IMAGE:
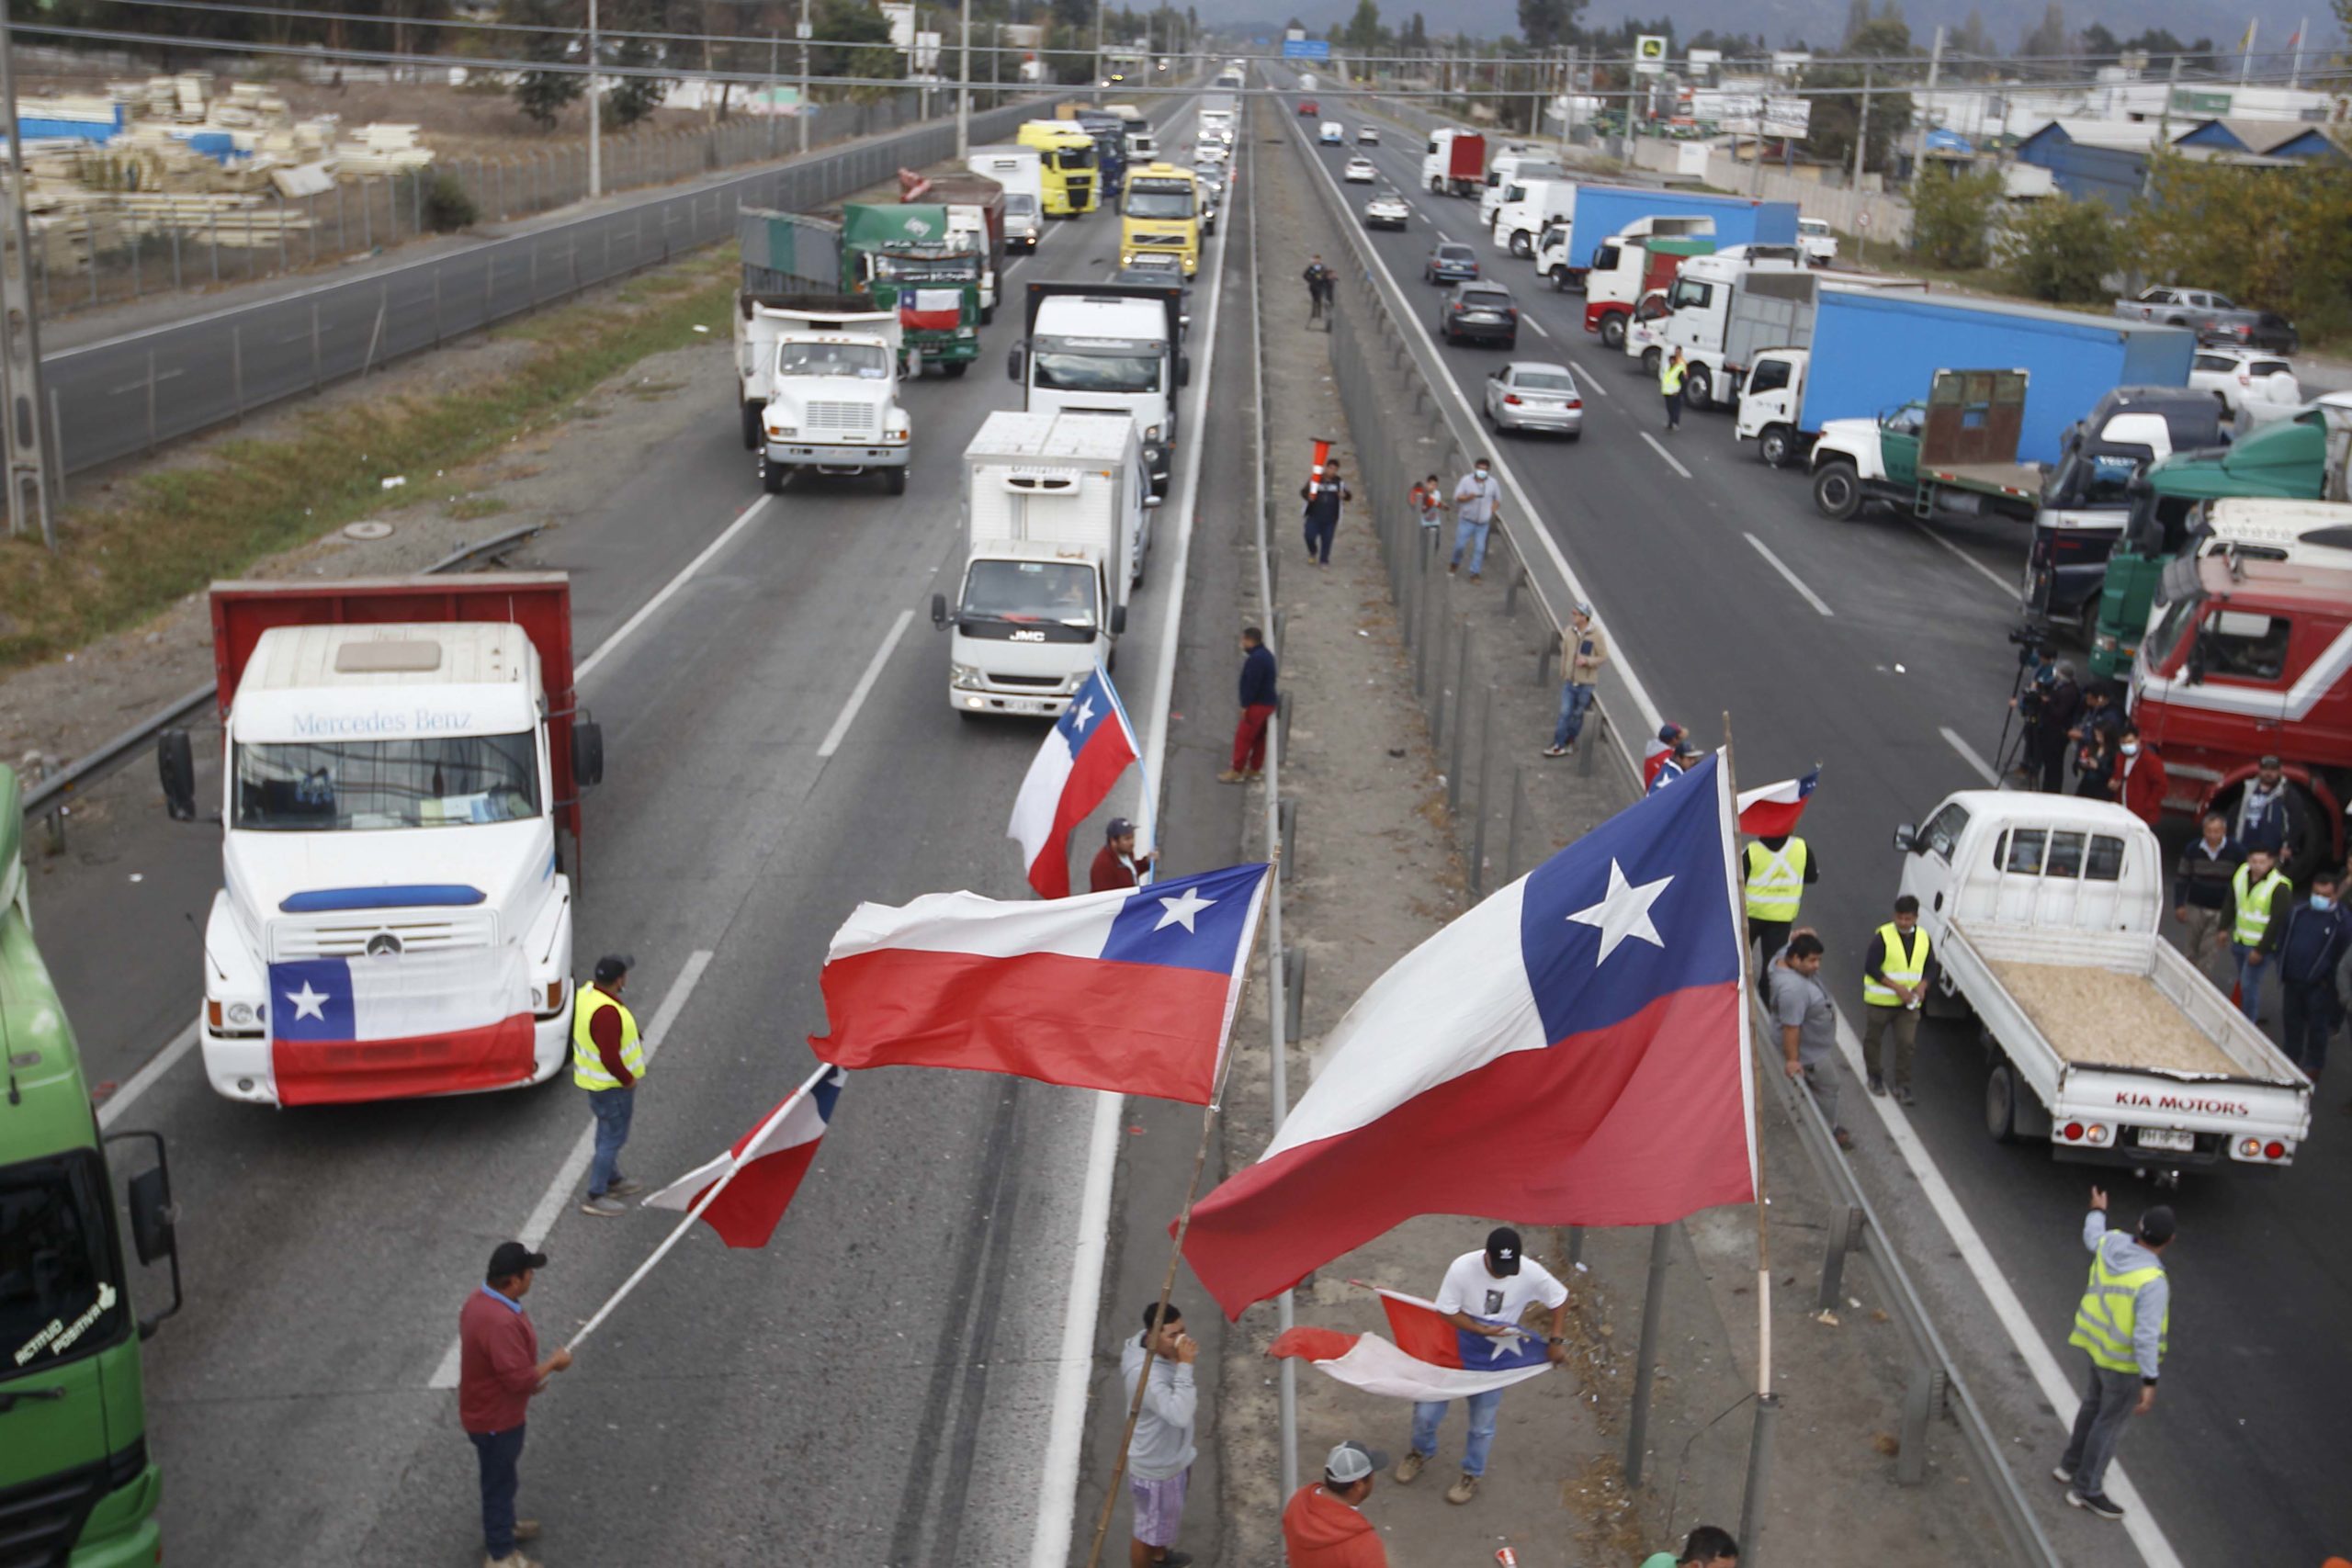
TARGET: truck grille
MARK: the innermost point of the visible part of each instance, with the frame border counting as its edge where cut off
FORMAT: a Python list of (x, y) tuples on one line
[(348, 936), (1036, 682), (1159, 239), (40, 1519), (840, 419)]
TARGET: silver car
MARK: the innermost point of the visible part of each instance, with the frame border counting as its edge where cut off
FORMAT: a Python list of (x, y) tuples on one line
[(1532, 394)]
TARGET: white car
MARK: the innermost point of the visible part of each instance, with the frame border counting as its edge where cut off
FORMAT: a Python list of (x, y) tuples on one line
[(1367, 136), (1212, 152), (1386, 210), (2250, 385), (1816, 241), (1331, 134), (1360, 172)]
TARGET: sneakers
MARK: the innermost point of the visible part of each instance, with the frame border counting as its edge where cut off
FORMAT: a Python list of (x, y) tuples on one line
[(604, 1208), (2095, 1502), (1878, 1085), (623, 1187), (1174, 1560), (1557, 751), (1452, 567), (514, 1558), (1255, 775), (526, 1529), (2062, 1475), (1231, 775), (1904, 1096), (1474, 576), (1410, 1467), (1463, 1490)]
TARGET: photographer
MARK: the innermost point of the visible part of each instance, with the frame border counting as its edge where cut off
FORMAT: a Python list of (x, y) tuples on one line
[(2054, 727)]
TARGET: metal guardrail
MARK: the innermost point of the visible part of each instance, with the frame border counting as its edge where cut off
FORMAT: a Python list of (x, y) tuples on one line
[(48, 798)]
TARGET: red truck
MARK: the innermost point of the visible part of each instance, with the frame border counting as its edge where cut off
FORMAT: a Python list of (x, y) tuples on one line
[(963, 194), (1628, 268), (402, 758), (2250, 658), (1455, 161)]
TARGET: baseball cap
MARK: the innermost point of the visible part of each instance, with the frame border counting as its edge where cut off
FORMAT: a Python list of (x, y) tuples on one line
[(1352, 1462), (510, 1257), (1584, 609), (1685, 747), (2269, 761), (1119, 827), (611, 966), (1670, 733), (1502, 1249)]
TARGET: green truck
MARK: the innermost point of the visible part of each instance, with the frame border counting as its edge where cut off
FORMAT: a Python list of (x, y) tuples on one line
[(905, 257), (2287, 461), (77, 1486)]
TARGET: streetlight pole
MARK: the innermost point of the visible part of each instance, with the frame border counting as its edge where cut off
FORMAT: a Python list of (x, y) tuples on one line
[(964, 90), (1098, 39), (595, 115), (804, 105), (27, 415)]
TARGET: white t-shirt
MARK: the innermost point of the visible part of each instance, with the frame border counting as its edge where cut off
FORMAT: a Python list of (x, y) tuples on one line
[(1469, 1288)]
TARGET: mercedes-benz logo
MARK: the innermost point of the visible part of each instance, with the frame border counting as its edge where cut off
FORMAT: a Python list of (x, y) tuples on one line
[(383, 944)]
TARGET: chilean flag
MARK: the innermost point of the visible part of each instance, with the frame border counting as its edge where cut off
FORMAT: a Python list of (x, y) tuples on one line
[(1431, 1359), (931, 309), (1654, 752), (1773, 811), (1131, 990), (395, 1024), (1573, 1050), (1084, 755), (768, 1162)]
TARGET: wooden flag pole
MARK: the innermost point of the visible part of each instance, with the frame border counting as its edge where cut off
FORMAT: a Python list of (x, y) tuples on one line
[(1755, 1131)]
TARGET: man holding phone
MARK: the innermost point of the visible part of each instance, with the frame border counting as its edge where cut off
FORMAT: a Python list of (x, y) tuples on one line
[(1159, 1459)]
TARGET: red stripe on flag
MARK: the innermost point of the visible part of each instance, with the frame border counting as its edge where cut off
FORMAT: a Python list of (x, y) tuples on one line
[(1087, 1023), (1771, 819), (1616, 1127), (1421, 1334), (1092, 772), (1312, 1344), (917, 321), (341, 1072), (747, 1214)]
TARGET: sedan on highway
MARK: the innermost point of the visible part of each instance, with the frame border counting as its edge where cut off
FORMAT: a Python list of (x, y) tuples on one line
[(1450, 263), (1479, 312), (1309, 108), (1386, 210), (1534, 394), (1367, 136), (1360, 172), (1212, 152)]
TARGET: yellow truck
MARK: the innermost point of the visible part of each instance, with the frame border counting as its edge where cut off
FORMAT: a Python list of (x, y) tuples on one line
[(1066, 166), (1161, 215)]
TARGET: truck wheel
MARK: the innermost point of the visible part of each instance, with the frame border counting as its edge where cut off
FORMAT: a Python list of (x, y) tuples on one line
[(772, 475), (955, 367), (895, 479), (988, 314), (1836, 492), (1559, 280), (1612, 328), (752, 412), (1776, 446), (1698, 388), (1520, 243), (1649, 362), (2001, 1103)]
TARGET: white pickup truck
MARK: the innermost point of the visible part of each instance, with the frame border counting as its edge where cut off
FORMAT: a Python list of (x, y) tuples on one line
[(2042, 910), (819, 387)]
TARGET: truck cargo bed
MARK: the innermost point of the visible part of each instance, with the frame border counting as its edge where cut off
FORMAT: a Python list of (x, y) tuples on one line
[(2111, 1019)]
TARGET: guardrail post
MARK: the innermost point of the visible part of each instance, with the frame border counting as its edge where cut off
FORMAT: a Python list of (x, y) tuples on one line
[(1294, 990), (1759, 1474), (366, 219), (1286, 825), (1637, 1430), (1575, 1246), (212, 233), (1461, 715), (1546, 658), (151, 402), (1486, 770), (57, 444), (1511, 835), (1833, 1264), (318, 374), (237, 370), (1918, 1401), (535, 279), (437, 307), (1282, 718), (90, 244), (1510, 592)]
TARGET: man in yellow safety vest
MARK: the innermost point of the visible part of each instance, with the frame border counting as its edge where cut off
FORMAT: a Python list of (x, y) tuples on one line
[(1671, 370), (1894, 987), (607, 1061), (2123, 1321), (1775, 872), (2259, 897)]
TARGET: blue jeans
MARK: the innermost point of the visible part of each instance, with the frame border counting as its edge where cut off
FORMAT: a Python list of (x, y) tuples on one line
[(1427, 1414), (1574, 700), (612, 1108), (2250, 978), (499, 1453), (1472, 537)]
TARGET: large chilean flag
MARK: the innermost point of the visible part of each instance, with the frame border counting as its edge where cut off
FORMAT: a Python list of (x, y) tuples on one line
[(1573, 1050), (1431, 1359), (1131, 990), (1084, 755)]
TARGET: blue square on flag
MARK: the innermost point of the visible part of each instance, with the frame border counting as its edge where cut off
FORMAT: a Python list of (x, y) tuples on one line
[(1635, 910), (310, 999), (1190, 922)]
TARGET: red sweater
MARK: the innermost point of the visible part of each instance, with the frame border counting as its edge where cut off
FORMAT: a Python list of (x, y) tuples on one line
[(1109, 872), (2142, 789), (498, 1363), (1320, 1531)]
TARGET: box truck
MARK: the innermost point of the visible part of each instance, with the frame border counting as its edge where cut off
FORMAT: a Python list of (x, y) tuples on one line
[(1453, 161), (1104, 348), (1015, 169), (974, 217), (1600, 210)]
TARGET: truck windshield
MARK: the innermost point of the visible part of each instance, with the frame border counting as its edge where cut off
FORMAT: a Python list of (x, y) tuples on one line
[(2172, 631), (1073, 368), (1072, 160), (1689, 293), (1031, 592), (59, 1294), (1158, 198), (926, 269), (860, 361), (442, 781), (1021, 204)]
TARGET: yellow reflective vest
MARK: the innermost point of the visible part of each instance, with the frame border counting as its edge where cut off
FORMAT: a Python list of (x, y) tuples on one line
[(2254, 905), (587, 1064), (1670, 375), (1896, 964), (2109, 1315), (1775, 880)]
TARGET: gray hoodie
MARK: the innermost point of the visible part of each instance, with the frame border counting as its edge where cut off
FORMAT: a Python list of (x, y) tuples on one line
[(2123, 1253), (1163, 1441)]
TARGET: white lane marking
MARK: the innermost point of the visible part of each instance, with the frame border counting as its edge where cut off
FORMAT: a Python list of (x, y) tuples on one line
[(1968, 754), (2008, 590), (140, 385), (583, 1148), (1541, 331), (1587, 378), (139, 1082), (1658, 448), (685, 574), (1777, 564), (833, 741)]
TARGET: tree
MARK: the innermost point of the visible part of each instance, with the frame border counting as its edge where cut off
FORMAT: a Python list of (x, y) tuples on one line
[(1837, 113), (857, 43), (543, 94), (1364, 32), (2099, 43), (1951, 215), (2268, 238), (630, 98), (2050, 37), (1857, 16), (1546, 24), (2061, 251), (1415, 38)]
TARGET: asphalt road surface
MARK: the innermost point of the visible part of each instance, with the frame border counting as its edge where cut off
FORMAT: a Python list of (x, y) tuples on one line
[(1876, 649), (876, 1386)]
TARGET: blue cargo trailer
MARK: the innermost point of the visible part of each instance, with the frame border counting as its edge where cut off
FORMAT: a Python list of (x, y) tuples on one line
[(1601, 211)]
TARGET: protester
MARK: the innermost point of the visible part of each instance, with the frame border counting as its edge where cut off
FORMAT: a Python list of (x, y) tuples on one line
[(2095, 760), (1670, 377), (1808, 1020), (1773, 874), (1679, 760), (499, 1373), (1319, 280), (1324, 1527), (1429, 503), (2123, 1322), (2139, 779), (1116, 865), (2256, 921), (1710, 1546), (2200, 886), (1661, 750), (2270, 816), (1323, 495), (1475, 500), (607, 1061), (1159, 1459), (1894, 987), (2317, 938), (1258, 699), (1484, 1292), (1583, 650)]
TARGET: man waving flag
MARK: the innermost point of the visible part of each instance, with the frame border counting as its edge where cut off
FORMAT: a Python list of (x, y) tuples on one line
[(1430, 1358), (1084, 755), (1571, 1051)]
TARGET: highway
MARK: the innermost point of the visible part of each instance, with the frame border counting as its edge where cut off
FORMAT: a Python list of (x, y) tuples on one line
[(884, 1382), (1876, 649)]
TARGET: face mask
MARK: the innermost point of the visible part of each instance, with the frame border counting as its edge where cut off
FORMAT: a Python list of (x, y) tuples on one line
[(1482, 473), (2322, 902), (2131, 748)]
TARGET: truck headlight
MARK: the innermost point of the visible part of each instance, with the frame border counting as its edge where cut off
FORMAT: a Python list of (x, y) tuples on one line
[(241, 1015), (967, 332), (783, 432)]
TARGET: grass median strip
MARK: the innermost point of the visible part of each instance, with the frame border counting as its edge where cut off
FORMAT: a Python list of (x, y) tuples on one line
[(166, 533)]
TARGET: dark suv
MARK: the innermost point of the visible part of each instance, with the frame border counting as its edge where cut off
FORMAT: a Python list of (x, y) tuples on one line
[(1450, 263), (1479, 312)]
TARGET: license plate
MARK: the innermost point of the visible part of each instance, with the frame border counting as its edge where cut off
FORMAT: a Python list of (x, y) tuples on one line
[(2166, 1138)]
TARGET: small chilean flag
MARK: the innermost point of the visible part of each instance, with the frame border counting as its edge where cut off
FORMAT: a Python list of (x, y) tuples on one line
[(1773, 811), (1084, 755), (768, 1162), (1430, 1360)]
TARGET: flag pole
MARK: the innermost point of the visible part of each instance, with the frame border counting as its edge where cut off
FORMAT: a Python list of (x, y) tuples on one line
[(695, 1213), (1175, 1257)]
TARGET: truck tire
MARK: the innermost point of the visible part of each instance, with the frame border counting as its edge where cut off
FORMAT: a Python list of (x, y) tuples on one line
[(772, 475), (956, 368), (1559, 280), (1776, 446), (1836, 492), (1698, 388), (988, 314), (895, 480), (752, 412), (1612, 327), (1520, 246), (2001, 1103), (1649, 363)]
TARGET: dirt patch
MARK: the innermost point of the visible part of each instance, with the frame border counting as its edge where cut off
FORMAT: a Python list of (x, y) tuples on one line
[(2111, 1019)]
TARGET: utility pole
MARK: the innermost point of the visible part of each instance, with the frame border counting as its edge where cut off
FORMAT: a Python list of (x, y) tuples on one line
[(1098, 39), (27, 413), (595, 115), (1863, 126), (1927, 110), (964, 90), (804, 32)]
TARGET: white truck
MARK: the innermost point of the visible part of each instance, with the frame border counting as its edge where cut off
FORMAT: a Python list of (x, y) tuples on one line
[(820, 386), (1817, 239), (1057, 524), (1017, 170), (1104, 348), (2042, 914), (1510, 172), (1529, 206), (1699, 304)]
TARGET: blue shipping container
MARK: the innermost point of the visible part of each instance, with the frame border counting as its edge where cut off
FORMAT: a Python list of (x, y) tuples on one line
[(1875, 351), (1603, 210)]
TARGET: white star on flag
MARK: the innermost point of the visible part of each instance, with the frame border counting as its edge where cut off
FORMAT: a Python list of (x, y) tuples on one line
[(307, 1003), (1085, 713), (1182, 911), (1624, 912)]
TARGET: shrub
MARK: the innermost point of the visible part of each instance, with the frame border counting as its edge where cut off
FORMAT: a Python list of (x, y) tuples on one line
[(2061, 251), (1951, 215)]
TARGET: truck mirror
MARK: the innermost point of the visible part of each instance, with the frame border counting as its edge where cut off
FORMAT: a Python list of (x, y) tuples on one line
[(1906, 839), (587, 754), (1012, 359), (939, 610), (1183, 369), (1152, 500), (1118, 620), (154, 1220), (176, 765)]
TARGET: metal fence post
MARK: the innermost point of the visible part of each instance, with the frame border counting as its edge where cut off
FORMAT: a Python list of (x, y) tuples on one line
[(57, 443), (1833, 1264), (1461, 724), (1486, 769), (366, 218), (237, 370), (1759, 1473), (437, 307), (175, 258), (1652, 1301), (1295, 990), (1510, 839), (151, 401), (1286, 825), (135, 268), (375, 336), (318, 374), (90, 243)]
